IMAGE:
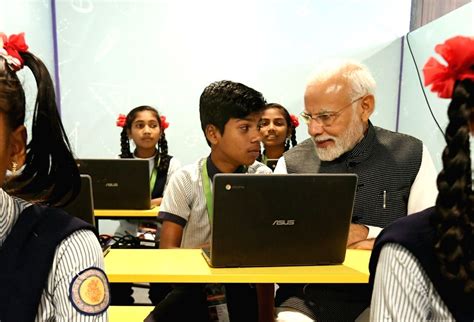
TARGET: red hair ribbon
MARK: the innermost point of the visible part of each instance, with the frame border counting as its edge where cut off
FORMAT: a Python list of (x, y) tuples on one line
[(294, 121), (10, 49), (458, 52), (121, 120), (164, 124)]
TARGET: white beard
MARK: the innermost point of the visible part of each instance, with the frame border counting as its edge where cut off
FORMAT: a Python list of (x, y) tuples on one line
[(345, 142)]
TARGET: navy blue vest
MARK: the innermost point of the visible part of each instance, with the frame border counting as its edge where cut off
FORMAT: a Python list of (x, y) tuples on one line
[(386, 164), (26, 257), (158, 189), (416, 234)]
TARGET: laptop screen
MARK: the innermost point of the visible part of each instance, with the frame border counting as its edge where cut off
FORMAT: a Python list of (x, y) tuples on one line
[(274, 220), (83, 205), (118, 183)]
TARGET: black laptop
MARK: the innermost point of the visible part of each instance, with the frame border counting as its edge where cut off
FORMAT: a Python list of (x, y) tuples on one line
[(83, 205), (280, 220), (118, 183)]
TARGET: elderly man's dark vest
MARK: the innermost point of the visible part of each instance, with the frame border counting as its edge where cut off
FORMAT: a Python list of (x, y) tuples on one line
[(26, 257), (386, 164)]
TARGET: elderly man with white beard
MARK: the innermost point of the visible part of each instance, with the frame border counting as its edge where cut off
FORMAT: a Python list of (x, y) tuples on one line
[(396, 177)]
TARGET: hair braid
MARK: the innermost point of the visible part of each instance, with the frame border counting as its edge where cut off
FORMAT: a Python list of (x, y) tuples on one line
[(125, 145), (163, 155), (50, 174), (453, 220)]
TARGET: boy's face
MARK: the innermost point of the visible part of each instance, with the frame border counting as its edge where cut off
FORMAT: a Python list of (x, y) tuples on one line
[(240, 143)]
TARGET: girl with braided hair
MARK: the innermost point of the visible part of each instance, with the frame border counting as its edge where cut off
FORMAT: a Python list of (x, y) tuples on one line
[(422, 266), (278, 129), (144, 126)]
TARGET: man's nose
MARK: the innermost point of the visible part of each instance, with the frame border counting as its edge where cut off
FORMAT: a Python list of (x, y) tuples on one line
[(314, 128)]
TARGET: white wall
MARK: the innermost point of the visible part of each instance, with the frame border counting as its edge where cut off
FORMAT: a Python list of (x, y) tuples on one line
[(415, 117), (115, 55)]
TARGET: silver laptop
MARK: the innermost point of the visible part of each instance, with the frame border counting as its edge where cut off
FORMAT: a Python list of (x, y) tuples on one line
[(280, 220), (118, 183)]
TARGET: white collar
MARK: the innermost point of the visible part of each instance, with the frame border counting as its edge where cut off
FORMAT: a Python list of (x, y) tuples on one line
[(10, 209)]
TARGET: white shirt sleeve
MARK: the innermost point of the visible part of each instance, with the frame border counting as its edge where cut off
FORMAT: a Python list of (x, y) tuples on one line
[(424, 190), (77, 253), (281, 166), (403, 291), (374, 231), (178, 198)]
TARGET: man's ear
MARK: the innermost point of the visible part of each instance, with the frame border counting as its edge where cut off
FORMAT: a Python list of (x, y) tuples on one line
[(367, 105), (212, 134), (18, 146)]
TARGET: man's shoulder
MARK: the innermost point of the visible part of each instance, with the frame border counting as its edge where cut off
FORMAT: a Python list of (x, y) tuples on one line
[(258, 167), (302, 147), (390, 137)]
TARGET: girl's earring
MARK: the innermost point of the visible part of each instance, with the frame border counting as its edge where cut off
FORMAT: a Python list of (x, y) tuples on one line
[(14, 167)]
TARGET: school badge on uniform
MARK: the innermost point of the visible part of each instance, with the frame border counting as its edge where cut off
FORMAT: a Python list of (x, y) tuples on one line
[(89, 291)]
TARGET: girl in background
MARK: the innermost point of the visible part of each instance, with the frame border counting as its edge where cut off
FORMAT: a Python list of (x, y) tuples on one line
[(278, 128), (144, 126)]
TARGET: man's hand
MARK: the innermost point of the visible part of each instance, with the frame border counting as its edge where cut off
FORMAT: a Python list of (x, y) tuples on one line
[(357, 233), (367, 244)]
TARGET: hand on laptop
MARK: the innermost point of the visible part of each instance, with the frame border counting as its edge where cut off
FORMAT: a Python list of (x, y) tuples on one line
[(206, 245), (156, 202), (357, 233), (367, 244)]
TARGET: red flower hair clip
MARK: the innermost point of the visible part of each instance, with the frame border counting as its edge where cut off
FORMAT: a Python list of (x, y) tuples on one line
[(458, 52), (121, 120), (164, 124), (10, 49), (294, 121)]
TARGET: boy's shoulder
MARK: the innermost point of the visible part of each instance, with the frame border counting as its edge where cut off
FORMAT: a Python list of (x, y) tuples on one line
[(259, 168), (191, 172)]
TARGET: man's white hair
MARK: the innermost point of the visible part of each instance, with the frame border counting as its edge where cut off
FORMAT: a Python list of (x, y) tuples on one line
[(356, 74)]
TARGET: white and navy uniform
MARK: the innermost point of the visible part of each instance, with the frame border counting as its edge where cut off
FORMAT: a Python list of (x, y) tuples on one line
[(402, 289), (77, 262), (185, 201)]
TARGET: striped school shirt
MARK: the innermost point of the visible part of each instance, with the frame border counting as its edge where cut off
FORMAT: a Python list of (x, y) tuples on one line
[(403, 290), (74, 254), (184, 202)]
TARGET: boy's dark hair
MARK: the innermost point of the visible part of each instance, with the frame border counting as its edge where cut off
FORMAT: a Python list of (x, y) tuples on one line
[(454, 218), (223, 100), (162, 155), (50, 173)]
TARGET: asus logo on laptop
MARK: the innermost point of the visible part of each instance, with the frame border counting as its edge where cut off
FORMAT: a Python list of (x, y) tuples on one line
[(111, 184), (281, 222)]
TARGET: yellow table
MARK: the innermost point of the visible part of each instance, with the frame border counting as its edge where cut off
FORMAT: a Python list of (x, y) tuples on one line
[(189, 266), (128, 313), (100, 214), (126, 213)]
